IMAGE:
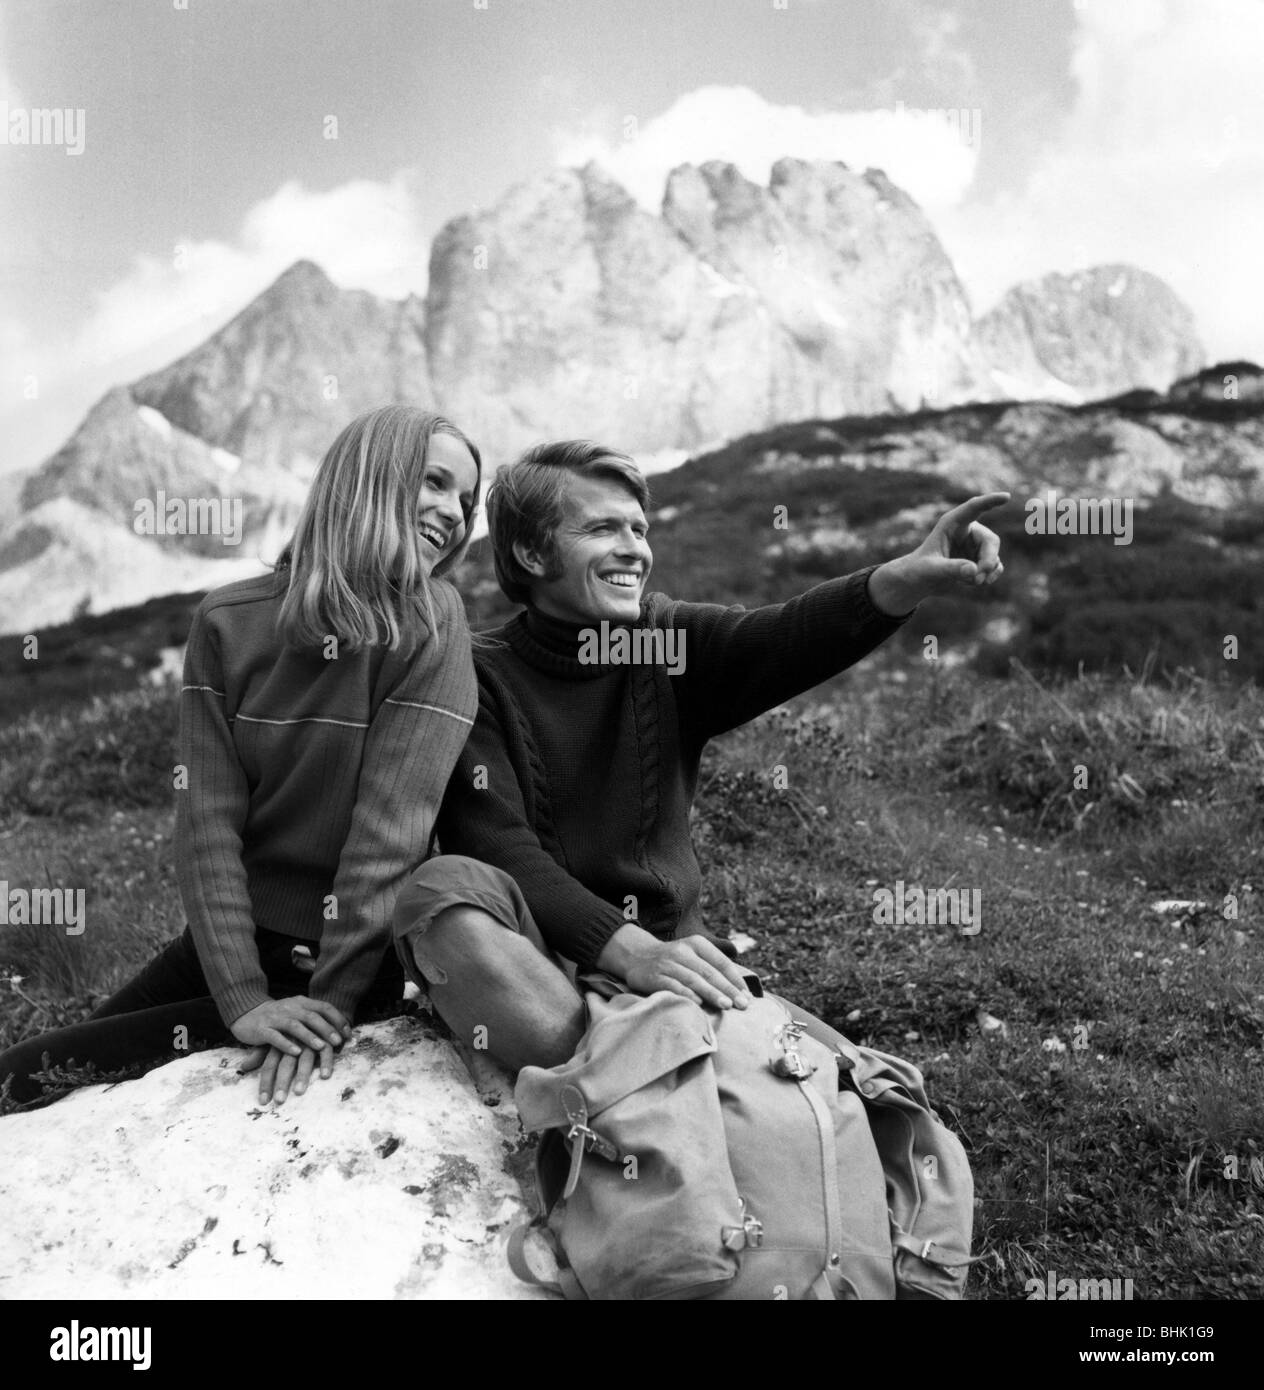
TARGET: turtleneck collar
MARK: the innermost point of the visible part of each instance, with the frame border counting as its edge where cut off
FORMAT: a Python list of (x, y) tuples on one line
[(552, 644), (555, 635)]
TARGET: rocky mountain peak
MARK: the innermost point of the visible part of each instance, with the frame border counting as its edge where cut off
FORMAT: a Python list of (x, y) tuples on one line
[(1088, 334)]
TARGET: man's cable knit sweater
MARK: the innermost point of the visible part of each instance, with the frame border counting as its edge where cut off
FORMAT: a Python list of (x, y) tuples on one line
[(577, 779)]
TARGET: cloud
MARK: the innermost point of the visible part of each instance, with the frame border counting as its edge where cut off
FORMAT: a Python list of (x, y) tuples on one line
[(364, 234), (1159, 162), (931, 155), (8, 88), (933, 58)]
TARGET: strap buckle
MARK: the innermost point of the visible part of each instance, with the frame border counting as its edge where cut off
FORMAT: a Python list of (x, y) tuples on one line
[(593, 1142), (576, 1109), (791, 1063), (748, 1236)]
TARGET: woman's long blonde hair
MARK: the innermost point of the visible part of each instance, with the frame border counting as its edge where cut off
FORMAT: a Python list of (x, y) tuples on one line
[(357, 571)]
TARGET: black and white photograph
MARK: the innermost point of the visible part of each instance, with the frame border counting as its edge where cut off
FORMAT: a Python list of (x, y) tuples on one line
[(631, 661)]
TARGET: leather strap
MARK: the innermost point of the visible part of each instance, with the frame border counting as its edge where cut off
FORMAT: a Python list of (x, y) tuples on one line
[(822, 1290), (516, 1250), (922, 1250), (829, 1174)]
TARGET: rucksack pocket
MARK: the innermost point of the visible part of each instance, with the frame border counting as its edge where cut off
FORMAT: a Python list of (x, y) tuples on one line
[(930, 1195)]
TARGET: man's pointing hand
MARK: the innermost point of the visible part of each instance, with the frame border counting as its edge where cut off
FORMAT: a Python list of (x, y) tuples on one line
[(959, 551)]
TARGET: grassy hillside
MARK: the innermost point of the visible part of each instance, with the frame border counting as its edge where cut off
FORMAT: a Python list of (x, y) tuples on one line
[(769, 514), (1100, 1059)]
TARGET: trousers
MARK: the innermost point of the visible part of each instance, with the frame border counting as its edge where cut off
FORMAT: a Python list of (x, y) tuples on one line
[(139, 1023)]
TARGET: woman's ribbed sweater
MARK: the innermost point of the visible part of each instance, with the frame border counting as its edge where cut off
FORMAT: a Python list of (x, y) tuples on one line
[(578, 779), (312, 786)]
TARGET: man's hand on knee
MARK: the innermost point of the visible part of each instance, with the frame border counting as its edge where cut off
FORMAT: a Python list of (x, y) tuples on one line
[(692, 967)]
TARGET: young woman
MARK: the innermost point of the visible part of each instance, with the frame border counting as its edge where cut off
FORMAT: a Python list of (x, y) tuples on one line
[(322, 710)]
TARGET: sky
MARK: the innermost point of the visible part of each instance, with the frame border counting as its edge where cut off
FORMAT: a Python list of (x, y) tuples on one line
[(204, 145)]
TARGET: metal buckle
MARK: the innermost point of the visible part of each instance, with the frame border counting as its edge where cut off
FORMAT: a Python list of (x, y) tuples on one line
[(791, 1063), (748, 1236), (592, 1141)]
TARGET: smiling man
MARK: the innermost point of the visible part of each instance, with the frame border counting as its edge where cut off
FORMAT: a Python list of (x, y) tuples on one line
[(567, 860)]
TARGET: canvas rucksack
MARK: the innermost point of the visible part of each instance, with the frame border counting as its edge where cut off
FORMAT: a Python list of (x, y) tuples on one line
[(695, 1153)]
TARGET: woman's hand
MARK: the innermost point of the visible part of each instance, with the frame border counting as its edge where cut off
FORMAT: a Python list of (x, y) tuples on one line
[(292, 1024), (288, 1036), (281, 1070)]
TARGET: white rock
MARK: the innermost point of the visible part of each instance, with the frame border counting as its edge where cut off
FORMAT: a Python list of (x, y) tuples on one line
[(395, 1178), (990, 1025)]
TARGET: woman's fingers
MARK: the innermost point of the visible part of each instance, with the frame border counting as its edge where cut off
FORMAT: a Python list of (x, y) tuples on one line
[(321, 1021), (277, 1040), (332, 1015), (267, 1076), (301, 1034), (285, 1076), (303, 1074)]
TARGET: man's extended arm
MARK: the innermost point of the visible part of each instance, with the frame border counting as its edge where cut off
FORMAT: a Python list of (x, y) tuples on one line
[(739, 663)]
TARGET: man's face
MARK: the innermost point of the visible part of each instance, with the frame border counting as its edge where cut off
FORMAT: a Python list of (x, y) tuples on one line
[(604, 555)]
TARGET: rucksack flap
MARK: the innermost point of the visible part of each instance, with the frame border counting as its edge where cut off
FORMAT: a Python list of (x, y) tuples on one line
[(637, 1207)]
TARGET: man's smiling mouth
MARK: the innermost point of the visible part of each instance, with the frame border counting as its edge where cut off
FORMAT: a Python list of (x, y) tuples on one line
[(621, 579)]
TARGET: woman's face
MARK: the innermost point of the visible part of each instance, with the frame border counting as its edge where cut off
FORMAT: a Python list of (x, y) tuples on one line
[(447, 492)]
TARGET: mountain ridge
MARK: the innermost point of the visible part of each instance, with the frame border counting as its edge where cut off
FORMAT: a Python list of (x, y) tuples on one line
[(566, 309)]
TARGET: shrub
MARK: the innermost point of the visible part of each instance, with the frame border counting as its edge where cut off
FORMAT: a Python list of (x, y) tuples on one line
[(118, 752)]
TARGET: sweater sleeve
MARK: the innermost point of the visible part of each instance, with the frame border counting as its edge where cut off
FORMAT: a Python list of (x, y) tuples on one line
[(411, 746), (740, 662), (210, 815), (485, 816)]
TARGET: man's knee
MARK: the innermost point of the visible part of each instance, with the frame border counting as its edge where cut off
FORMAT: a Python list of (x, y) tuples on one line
[(464, 940)]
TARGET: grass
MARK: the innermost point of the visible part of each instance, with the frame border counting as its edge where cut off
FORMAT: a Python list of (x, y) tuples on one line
[(1100, 1059)]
